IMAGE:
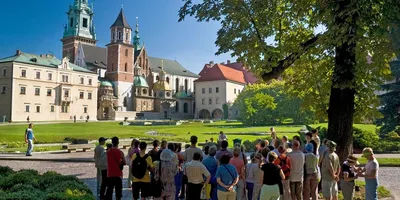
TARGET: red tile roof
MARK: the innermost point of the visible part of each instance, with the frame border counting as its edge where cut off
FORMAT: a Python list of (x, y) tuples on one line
[(249, 77), (220, 72)]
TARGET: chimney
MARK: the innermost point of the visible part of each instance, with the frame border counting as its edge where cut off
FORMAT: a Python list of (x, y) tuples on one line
[(228, 61), (212, 62), (18, 52)]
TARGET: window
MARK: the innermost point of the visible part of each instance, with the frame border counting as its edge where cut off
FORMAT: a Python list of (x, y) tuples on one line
[(64, 108), (185, 108), (177, 107), (85, 23), (167, 79), (81, 95), (49, 92), (186, 86), (66, 93), (38, 109), (112, 36), (23, 73), (203, 101), (234, 91), (27, 108), (84, 109), (90, 81), (22, 90), (51, 108), (177, 85), (217, 101), (217, 90), (37, 91), (203, 90), (3, 89), (49, 76), (64, 78), (210, 90), (71, 22), (119, 35), (37, 75), (82, 80), (89, 95), (4, 72), (157, 78), (126, 51), (210, 101), (127, 36), (126, 67)]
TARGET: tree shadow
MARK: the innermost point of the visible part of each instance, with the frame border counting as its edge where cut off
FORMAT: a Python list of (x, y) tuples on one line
[(92, 183)]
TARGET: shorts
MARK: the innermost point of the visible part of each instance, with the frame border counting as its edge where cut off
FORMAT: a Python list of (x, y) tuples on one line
[(329, 188), (142, 187)]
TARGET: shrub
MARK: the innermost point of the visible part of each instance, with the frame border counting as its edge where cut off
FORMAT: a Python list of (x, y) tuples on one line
[(24, 195), (73, 187), (5, 171), (393, 135), (362, 139), (26, 177), (49, 179)]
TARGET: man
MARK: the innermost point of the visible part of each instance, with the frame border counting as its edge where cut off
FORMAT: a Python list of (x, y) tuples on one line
[(100, 160), (189, 152), (222, 137), (164, 145), (29, 137), (195, 170), (370, 172), (223, 151), (330, 171), (297, 159), (284, 163), (285, 141), (141, 166), (316, 138), (115, 163), (308, 138), (153, 152)]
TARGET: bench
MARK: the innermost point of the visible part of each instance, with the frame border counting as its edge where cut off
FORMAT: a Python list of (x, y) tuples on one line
[(74, 147)]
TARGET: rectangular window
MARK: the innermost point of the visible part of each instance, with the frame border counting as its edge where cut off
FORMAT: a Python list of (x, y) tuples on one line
[(71, 22), (3, 89), (82, 81), (127, 36), (22, 90), (84, 109), (81, 95), (210, 101), (49, 92), (38, 109), (90, 81), (234, 91), (217, 101), (203, 90), (217, 90), (49, 76), (64, 78), (66, 93), (37, 75), (27, 108), (4, 72), (203, 101), (37, 91), (210, 90), (23, 73), (119, 35), (51, 108), (64, 109), (85, 23), (89, 95)]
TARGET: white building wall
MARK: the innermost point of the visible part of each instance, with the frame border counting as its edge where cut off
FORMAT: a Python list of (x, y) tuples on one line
[(203, 99), (232, 91)]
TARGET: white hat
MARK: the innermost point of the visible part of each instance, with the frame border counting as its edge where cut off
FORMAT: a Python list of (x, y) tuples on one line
[(166, 155)]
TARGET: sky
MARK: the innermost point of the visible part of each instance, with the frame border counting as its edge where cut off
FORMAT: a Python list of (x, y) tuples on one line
[(37, 27)]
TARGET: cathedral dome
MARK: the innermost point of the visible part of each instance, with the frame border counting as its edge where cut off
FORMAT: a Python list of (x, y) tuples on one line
[(181, 95), (106, 84), (161, 85), (139, 81)]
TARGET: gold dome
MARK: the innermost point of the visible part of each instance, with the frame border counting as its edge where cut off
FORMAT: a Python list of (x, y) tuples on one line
[(161, 85)]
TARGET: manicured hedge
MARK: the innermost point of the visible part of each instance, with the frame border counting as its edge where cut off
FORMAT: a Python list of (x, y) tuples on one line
[(30, 185)]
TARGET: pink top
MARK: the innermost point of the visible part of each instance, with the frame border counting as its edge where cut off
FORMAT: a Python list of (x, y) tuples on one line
[(239, 164), (133, 151)]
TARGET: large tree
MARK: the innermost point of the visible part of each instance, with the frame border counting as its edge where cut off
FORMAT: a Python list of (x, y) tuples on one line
[(272, 36)]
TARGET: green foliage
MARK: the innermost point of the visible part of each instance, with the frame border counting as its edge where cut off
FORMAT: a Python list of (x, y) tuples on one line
[(261, 104), (225, 109), (393, 135), (362, 139)]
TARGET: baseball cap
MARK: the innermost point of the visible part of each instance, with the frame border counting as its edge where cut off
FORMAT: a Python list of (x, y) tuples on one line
[(367, 152), (101, 139), (309, 147)]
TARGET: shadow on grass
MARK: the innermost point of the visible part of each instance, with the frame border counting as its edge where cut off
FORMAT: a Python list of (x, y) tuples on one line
[(232, 125)]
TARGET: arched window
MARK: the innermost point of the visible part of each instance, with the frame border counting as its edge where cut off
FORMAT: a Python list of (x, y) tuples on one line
[(112, 35), (185, 108), (186, 86), (147, 64), (126, 52), (127, 36), (177, 107), (126, 67), (120, 35), (177, 85), (140, 62), (167, 79), (157, 78)]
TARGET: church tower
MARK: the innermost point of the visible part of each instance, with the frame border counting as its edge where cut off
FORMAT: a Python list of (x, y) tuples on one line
[(120, 61), (80, 28)]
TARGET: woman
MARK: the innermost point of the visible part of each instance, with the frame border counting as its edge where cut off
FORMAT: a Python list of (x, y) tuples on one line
[(370, 172), (211, 164), (349, 174), (227, 178), (178, 176), (257, 181), (239, 164), (273, 135), (250, 174), (283, 161), (272, 176), (310, 187), (167, 173), (132, 150)]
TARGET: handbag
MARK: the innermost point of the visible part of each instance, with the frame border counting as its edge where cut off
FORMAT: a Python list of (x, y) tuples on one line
[(121, 166), (203, 194), (157, 184)]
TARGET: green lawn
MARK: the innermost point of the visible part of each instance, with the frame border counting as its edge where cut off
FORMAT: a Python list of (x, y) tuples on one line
[(383, 161)]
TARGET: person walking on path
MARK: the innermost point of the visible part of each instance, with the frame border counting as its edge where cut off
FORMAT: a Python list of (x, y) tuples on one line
[(349, 174), (370, 173), (100, 162), (167, 169), (227, 179), (29, 138), (195, 170), (311, 180), (115, 165), (330, 173), (272, 176), (141, 167), (297, 171)]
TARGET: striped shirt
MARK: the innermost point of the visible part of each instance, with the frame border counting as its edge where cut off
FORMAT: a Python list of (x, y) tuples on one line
[(194, 170)]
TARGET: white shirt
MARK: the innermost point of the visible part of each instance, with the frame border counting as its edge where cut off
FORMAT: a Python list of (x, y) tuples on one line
[(372, 165), (297, 159), (195, 170), (222, 137)]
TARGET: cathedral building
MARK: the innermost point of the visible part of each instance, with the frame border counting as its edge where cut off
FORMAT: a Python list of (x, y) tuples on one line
[(132, 84)]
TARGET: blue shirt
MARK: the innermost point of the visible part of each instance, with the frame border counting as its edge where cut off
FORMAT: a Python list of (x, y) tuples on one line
[(227, 177), (29, 134), (211, 164)]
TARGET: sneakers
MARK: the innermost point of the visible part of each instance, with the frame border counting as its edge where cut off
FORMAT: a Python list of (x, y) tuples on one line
[(28, 154)]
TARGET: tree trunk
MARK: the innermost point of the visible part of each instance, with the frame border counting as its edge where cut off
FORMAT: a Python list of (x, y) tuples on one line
[(341, 102)]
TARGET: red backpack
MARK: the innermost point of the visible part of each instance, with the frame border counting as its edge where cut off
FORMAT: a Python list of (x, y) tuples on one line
[(285, 167)]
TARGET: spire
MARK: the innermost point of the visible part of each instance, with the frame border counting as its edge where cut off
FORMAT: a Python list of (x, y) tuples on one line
[(121, 21), (136, 38), (80, 20)]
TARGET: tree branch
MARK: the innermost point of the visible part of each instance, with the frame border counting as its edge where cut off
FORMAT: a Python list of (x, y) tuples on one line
[(289, 60)]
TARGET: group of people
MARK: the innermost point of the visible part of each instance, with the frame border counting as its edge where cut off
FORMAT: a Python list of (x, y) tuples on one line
[(282, 170)]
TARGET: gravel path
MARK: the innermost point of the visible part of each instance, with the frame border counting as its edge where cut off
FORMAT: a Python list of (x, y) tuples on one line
[(388, 176)]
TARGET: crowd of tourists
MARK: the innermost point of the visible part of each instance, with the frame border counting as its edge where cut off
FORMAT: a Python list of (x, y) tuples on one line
[(278, 169)]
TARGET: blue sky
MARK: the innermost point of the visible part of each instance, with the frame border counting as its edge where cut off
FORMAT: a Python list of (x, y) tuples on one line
[(37, 27)]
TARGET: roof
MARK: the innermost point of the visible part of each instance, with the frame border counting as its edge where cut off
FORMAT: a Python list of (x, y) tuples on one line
[(221, 72), (139, 81), (161, 85), (170, 67), (181, 95), (95, 56), (46, 60), (121, 21), (106, 83), (249, 77)]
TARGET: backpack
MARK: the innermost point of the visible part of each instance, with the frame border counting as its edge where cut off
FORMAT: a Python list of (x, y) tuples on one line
[(285, 167), (139, 166)]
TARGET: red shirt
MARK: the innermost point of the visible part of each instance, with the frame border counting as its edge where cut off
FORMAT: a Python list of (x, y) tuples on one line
[(114, 160)]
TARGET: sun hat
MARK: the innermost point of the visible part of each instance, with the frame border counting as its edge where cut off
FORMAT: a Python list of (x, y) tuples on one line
[(352, 159), (332, 145), (309, 148), (166, 155), (367, 152)]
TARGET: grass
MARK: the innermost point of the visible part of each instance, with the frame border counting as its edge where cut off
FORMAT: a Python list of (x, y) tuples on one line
[(382, 192), (36, 149), (383, 161)]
